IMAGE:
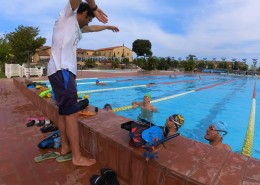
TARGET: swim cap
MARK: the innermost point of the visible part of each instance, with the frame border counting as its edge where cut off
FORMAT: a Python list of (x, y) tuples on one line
[(149, 96), (178, 119), (107, 105), (221, 128), (97, 81)]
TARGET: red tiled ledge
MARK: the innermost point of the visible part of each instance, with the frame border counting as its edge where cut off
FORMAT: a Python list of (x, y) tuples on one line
[(182, 161)]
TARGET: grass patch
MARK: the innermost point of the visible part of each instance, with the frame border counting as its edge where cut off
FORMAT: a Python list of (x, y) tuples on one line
[(2, 74)]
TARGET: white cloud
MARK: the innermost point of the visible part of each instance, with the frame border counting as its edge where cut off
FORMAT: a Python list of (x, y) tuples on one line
[(213, 28)]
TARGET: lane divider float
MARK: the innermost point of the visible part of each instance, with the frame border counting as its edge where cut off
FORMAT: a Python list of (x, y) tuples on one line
[(111, 89), (172, 96), (248, 142)]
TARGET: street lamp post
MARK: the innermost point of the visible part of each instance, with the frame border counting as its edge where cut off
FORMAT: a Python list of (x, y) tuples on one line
[(205, 62), (233, 63), (244, 62), (254, 62), (223, 60)]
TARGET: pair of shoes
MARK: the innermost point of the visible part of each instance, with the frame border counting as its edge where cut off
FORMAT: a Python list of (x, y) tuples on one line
[(48, 128), (107, 177), (32, 121), (63, 158), (43, 122), (49, 155)]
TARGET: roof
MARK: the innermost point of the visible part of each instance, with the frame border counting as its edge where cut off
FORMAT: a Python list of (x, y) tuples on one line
[(111, 48), (43, 53)]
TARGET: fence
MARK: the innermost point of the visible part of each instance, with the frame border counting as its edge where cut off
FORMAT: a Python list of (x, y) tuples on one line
[(22, 70)]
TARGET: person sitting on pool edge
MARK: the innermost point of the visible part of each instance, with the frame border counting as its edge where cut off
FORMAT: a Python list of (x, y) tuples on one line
[(215, 133), (146, 104), (100, 83), (108, 107)]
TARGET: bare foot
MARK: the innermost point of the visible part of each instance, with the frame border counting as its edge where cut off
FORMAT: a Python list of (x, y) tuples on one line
[(83, 161), (65, 149)]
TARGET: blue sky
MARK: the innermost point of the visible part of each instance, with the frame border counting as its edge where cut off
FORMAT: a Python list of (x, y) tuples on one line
[(176, 28)]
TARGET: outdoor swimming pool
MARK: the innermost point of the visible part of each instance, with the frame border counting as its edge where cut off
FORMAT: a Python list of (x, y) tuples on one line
[(201, 102)]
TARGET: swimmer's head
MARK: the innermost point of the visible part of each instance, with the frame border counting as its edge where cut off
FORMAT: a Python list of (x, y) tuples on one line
[(148, 96)]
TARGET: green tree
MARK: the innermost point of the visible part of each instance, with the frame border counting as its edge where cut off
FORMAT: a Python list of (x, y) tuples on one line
[(211, 65), (23, 42), (89, 63), (4, 51), (125, 61), (190, 63), (115, 62), (163, 64), (142, 48)]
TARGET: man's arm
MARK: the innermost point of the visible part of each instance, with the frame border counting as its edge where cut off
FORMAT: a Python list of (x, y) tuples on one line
[(75, 4), (96, 28), (154, 109), (135, 104), (91, 3), (99, 14)]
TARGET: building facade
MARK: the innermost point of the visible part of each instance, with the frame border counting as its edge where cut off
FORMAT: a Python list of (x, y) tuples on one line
[(42, 55)]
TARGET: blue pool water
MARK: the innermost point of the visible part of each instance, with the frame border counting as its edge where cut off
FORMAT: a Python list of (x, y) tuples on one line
[(213, 98)]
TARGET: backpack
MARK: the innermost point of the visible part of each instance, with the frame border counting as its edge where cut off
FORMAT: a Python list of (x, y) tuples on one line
[(148, 136), (52, 141), (143, 132)]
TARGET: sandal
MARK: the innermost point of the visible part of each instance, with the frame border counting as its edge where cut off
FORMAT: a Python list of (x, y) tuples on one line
[(86, 113), (48, 128), (49, 155), (63, 158)]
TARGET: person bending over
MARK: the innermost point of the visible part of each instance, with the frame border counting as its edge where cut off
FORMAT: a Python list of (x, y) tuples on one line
[(62, 68)]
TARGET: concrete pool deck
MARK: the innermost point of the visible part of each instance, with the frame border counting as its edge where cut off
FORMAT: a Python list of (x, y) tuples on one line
[(183, 161)]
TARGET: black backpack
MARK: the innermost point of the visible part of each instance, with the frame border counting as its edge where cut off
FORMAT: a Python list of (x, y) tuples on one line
[(136, 128)]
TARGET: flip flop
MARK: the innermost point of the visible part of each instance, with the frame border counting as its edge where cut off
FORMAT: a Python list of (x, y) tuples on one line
[(48, 128), (97, 180), (31, 123), (63, 158), (86, 113), (109, 176), (49, 155)]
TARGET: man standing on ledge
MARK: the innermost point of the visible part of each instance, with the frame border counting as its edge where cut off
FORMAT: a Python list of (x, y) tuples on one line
[(62, 68)]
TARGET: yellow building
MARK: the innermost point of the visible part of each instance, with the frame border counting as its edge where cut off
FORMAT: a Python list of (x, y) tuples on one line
[(42, 55), (118, 51)]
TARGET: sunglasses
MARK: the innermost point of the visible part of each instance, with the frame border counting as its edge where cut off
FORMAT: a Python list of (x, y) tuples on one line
[(213, 129)]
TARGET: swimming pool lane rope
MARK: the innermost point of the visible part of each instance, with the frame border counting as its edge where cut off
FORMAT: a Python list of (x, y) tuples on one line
[(249, 139), (153, 101), (130, 87), (172, 96)]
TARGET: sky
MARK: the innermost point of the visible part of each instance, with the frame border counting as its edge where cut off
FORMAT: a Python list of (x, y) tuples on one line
[(176, 28)]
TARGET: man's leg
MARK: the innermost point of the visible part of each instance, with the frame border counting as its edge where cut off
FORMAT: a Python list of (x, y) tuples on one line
[(65, 147), (72, 130)]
